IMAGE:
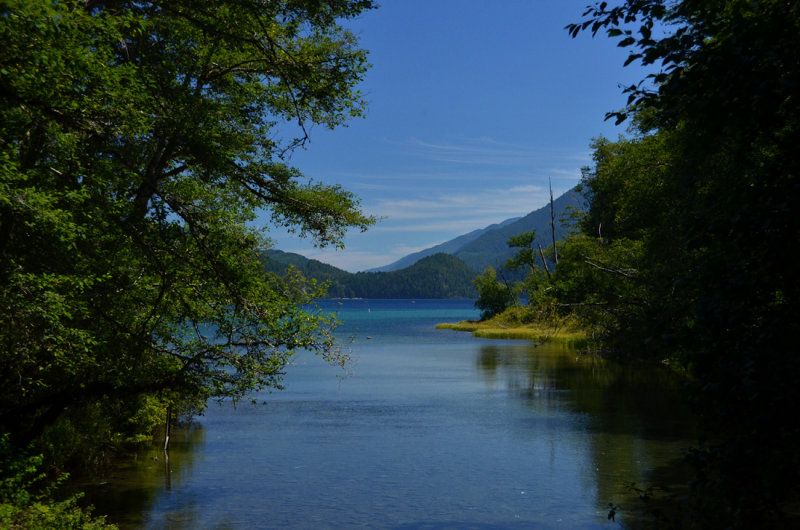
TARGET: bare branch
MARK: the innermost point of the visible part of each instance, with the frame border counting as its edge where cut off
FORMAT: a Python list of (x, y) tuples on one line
[(544, 261), (625, 273)]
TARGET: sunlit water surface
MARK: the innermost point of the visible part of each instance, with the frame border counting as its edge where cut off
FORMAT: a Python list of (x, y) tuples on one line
[(426, 429)]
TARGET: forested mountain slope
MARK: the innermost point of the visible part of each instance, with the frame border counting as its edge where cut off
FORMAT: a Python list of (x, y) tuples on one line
[(437, 276), (448, 247), (491, 248), (488, 247)]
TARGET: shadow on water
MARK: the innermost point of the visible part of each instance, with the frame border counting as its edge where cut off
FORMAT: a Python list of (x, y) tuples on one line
[(130, 489), (637, 417)]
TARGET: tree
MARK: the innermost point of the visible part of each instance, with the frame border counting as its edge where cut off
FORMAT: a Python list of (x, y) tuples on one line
[(139, 142), (494, 297), (525, 257), (537, 279), (717, 242)]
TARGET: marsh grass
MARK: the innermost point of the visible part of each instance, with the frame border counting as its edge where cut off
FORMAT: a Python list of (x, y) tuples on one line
[(508, 325)]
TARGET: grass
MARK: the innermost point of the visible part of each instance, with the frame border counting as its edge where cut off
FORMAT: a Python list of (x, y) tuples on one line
[(497, 328)]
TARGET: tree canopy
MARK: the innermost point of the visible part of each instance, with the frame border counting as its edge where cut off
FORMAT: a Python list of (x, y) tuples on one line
[(140, 142), (687, 252)]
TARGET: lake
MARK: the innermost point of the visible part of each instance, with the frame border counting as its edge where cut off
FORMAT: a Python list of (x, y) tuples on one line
[(426, 428)]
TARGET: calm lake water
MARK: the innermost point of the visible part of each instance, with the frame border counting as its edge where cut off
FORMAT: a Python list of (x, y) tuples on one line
[(427, 429)]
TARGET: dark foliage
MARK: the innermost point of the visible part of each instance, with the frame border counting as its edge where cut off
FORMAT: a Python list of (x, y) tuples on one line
[(703, 199)]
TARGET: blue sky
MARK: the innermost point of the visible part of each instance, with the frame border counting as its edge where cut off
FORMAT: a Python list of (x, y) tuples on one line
[(473, 105)]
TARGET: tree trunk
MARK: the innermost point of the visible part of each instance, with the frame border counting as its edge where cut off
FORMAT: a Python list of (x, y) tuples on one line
[(553, 224), (544, 261), (167, 429)]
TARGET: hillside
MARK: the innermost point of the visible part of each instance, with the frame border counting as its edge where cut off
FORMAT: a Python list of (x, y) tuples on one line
[(491, 249), (437, 276), (448, 247), (442, 271), (488, 246)]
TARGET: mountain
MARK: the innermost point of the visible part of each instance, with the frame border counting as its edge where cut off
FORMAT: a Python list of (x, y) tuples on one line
[(491, 248), (278, 261), (488, 247), (442, 271), (437, 276), (449, 247)]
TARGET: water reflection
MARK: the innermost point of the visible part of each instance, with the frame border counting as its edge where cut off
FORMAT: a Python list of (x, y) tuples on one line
[(637, 416), (440, 431), (132, 488)]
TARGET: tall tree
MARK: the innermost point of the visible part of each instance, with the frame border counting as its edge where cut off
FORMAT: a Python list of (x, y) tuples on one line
[(718, 242), (140, 141)]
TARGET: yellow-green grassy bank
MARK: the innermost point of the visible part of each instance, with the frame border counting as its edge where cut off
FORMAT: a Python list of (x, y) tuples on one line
[(491, 329)]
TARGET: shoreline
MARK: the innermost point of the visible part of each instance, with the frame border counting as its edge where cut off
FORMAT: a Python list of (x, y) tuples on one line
[(538, 334)]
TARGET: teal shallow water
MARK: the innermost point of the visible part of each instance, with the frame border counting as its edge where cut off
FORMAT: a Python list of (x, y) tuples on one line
[(427, 429)]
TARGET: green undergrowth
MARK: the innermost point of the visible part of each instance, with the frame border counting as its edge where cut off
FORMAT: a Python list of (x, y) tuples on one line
[(27, 496)]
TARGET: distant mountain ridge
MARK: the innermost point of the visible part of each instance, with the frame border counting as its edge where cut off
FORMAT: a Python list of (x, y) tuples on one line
[(448, 247), (491, 248), (488, 247), (442, 271)]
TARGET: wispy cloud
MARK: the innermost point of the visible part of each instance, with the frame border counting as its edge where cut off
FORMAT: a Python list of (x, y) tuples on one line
[(425, 222), (472, 206), (428, 192), (454, 226), (440, 166), (489, 152)]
